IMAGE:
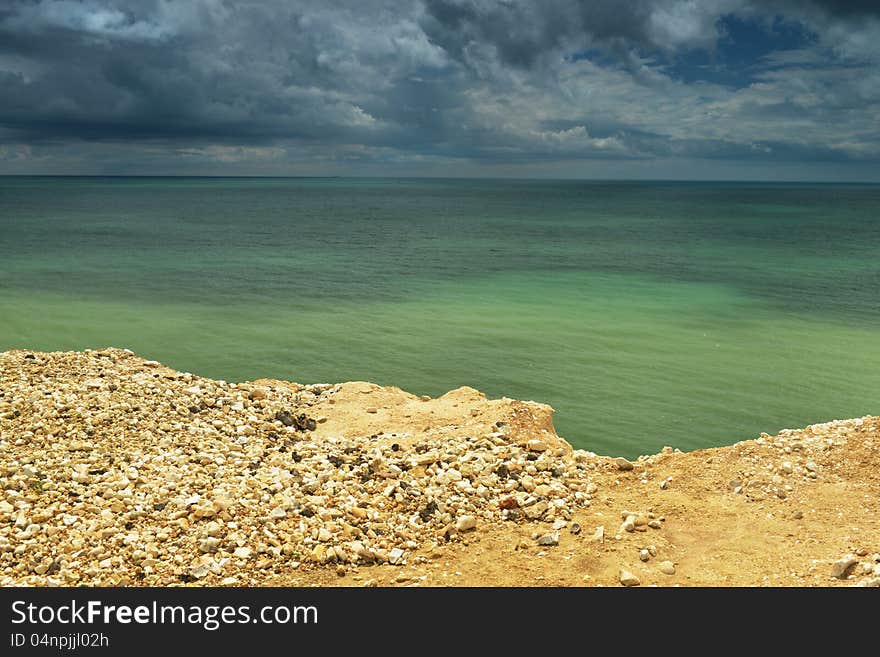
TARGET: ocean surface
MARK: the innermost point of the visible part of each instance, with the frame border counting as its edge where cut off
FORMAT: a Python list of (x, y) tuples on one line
[(646, 314)]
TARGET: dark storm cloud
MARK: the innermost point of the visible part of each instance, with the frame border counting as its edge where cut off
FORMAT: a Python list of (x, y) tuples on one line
[(849, 7), (224, 84)]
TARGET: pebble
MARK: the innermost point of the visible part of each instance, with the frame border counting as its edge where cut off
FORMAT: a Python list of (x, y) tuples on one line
[(628, 579), (465, 523), (623, 464), (644, 555), (537, 446), (599, 534), (551, 538), (841, 567), (666, 567), (199, 571)]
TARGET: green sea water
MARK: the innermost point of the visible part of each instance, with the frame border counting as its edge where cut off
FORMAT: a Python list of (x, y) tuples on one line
[(646, 314)]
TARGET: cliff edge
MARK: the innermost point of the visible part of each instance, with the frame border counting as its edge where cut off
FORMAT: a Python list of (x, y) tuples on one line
[(115, 470)]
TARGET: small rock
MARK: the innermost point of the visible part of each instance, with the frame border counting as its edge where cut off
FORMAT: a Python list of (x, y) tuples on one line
[(209, 545), (575, 528), (666, 567), (840, 568), (372, 409), (628, 579), (599, 534), (466, 523), (537, 446), (199, 571), (241, 552), (258, 393), (644, 555), (551, 538), (623, 464), (395, 556), (655, 524)]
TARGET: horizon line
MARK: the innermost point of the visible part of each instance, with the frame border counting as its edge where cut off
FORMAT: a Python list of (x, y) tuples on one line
[(411, 177)]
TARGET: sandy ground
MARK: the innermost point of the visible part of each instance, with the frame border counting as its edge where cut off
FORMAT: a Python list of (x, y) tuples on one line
[(798, 509), (713, 536)]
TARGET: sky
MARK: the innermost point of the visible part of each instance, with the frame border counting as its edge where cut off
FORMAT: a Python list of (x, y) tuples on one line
[(641, 89)]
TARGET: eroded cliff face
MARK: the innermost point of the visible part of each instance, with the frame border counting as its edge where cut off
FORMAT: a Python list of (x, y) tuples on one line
[(119, 470)]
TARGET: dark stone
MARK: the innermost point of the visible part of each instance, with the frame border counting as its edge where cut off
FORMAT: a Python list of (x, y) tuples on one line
[(336, 460), (54, 567), (395, 447), (159, 506), (502, 472), (426, 513), (30, 357), (285, 418), (508, 503), (307, 512)]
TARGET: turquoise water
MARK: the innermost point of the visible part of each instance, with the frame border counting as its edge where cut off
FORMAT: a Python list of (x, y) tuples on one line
[(646, 314)]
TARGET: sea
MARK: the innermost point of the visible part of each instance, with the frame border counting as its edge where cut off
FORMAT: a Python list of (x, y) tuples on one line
[(689, 314)]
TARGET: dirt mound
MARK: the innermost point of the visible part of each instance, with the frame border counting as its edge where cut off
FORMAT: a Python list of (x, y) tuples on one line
[(118, 470)]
